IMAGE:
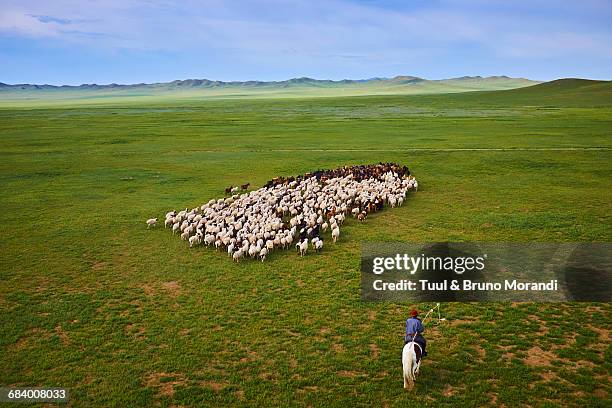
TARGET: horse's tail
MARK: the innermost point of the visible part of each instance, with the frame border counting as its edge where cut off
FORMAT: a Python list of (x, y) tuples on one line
[(408, 365)]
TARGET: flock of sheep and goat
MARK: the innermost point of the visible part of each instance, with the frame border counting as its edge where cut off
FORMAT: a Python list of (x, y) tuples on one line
[(291, 209)]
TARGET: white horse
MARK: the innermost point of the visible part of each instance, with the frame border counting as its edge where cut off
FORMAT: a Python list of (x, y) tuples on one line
[(410, 363)]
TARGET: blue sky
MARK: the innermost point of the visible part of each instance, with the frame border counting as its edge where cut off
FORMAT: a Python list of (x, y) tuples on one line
[(130, 41)]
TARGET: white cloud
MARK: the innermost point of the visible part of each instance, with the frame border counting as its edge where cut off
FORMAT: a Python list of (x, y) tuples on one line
[(309, 28)]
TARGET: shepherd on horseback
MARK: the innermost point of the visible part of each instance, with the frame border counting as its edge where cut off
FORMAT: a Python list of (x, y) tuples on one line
[(414, 330)]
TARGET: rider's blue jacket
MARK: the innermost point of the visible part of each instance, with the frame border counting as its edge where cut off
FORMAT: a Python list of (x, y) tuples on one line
[(413, 325)]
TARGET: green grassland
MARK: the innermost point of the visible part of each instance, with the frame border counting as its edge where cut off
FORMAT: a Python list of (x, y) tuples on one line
[(124, 316), (296, 88)]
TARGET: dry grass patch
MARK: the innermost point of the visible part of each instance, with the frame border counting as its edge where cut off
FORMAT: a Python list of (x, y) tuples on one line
[(536, 357), (480, 351), (350, 374), (99, 265), (165, 382), (374, 350), (26, 340), (132, 330), (62, 335), (216, 386), (600, 393), (173, 288), (337, 347), (148, 290), (448, 390)]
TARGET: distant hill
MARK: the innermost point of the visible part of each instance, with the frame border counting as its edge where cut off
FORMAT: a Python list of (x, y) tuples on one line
[(295, 87), (567, 92)]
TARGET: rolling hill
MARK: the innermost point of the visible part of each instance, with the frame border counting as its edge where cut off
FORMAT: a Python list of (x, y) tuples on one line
[(32, 94), (568, 92)]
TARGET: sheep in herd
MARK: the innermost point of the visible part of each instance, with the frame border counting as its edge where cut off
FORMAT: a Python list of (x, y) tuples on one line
[(335, 234), (317, 243), (237, 255), (194, 240), (151, 222), (263, 253), (324, 226), (302, 247), (294, 209)]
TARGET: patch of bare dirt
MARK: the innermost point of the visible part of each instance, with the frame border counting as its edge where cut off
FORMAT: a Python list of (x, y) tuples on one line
[(216, 386), (536, 357), (98, 266), (148, 289), (374, 350), (480, 351), (543, 329), (308, 388), (348, 374), (603, 334), (173, 288), (184, 332), (600, 393), (585, 364), (337, 347), (458, 322), (28, 338), (268, 376), (549, 376), (448, 390), (62, 335), (132, 330), (165, 382)]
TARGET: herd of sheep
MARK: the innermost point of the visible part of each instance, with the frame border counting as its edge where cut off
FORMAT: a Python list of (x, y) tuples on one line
[(292, 210)]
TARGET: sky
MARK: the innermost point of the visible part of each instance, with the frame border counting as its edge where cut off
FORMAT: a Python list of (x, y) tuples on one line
[(132, 41)]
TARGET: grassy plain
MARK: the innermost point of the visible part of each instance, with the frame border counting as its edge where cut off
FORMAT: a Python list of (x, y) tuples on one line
[(124, 316), (296, 88)]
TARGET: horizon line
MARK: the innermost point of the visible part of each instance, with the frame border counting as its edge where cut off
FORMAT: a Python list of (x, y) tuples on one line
[(374, 78)]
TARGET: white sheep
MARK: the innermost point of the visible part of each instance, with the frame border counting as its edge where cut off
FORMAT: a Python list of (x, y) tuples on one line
[(263, 253), (302, 247), (194, 240), (151, 222), (335, 234), (237, 255)]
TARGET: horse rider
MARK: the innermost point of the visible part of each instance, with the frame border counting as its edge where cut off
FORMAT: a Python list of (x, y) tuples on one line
[(414, 328)]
